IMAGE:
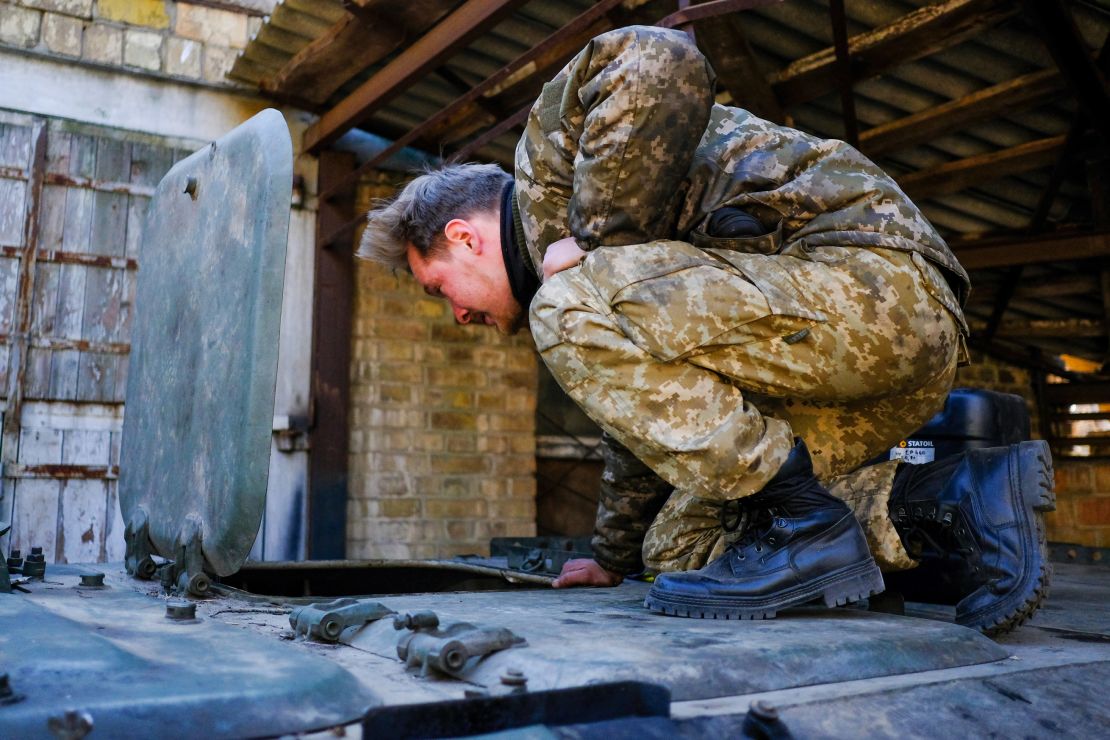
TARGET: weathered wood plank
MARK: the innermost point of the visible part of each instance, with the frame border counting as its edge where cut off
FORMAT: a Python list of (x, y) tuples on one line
[(109, 220), (13, 194), (86, 447), (35, 520), (40, 447), (114, 546), (9, 279), (59, 151), (53, 217), (101, 318), (15, 146), (84, 510)]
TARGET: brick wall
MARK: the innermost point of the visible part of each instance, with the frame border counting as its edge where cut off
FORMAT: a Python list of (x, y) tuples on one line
[(1082, 515), (175, 40), (442, 423)]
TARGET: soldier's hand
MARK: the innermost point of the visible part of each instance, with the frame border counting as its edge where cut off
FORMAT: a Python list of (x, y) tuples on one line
[(584, 572), (561, 255)]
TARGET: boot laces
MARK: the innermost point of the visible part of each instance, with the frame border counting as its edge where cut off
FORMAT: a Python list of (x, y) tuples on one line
[(754, 523)]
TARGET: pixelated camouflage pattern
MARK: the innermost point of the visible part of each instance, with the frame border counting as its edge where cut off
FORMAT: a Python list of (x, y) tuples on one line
[(710, 392), (608, 156), (630, 497), (705, 357)]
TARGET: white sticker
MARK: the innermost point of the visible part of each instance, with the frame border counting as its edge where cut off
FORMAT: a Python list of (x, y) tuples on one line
[(913, 451)]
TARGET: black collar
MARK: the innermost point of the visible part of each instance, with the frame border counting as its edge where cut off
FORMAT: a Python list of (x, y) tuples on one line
[(522, 280)]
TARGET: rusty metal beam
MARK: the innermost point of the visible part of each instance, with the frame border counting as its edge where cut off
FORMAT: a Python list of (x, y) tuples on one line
[(73, 258), (952, 177), (1028, 250), (447, 38), (1020, 92), (917, 34), (691, 14), (62, 472)]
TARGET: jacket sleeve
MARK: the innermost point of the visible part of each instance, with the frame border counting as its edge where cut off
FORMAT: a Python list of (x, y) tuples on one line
[(631, 496), (608, 143)]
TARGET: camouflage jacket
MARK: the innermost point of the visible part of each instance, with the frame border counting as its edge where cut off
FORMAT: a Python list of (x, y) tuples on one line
[(626, 146)]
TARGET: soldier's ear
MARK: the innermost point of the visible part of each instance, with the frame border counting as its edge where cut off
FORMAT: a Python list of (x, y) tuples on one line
[(460, 233)]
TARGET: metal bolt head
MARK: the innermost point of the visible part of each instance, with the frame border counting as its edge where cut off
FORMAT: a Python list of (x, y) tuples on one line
[(181, 611), (763, 710), (92, 580), (36, 551), (514, 677)]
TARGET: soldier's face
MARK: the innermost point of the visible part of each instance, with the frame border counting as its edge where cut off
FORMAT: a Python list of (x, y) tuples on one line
[(470, 274)]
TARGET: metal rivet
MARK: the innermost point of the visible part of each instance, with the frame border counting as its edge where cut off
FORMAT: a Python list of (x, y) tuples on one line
[(181, 610), (763, 710)]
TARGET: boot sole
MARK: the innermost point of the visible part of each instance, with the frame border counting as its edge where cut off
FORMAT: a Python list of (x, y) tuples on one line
[(1032, 476), (849, 584)]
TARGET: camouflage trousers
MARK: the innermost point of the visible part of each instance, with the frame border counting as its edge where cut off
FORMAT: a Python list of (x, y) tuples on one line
[(705, 364)]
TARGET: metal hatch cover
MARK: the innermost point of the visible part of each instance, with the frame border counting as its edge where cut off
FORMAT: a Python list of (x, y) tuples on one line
[(200, 390)]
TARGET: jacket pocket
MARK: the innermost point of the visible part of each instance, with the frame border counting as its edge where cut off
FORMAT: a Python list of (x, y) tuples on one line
[(674, 300), (769, 243)]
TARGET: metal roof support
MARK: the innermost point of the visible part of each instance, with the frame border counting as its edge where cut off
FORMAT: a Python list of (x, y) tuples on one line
[(917, 34), (451, 35)]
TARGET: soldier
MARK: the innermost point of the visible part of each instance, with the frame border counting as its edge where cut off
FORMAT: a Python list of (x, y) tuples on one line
[(749, 313)]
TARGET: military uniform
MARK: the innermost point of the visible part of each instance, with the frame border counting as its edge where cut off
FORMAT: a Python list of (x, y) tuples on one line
[(703, 357)]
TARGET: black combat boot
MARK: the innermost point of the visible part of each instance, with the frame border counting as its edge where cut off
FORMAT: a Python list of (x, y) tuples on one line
[(976, 524), (799, 544)]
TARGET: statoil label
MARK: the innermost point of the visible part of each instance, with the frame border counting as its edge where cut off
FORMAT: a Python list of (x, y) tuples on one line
[(914, 451)]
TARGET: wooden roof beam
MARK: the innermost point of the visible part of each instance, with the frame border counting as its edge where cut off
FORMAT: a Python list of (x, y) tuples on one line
[(1055, 287), (1070, 328), (723, 41), (1021, 92), (1056, 27), (917, 34), (952, 177), (447, 38), (1059, 247), (362, 38)]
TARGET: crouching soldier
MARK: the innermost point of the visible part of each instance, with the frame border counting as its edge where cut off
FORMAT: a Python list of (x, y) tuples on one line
[(749, 313)]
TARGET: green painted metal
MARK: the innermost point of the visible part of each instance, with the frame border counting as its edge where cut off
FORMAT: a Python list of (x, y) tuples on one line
[(200, 391)]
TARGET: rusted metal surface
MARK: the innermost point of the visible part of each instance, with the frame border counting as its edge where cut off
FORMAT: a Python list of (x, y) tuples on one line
[(75, 258), (79, 345), (14, 173), (62, 472), (102, 186), (517, 119)]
